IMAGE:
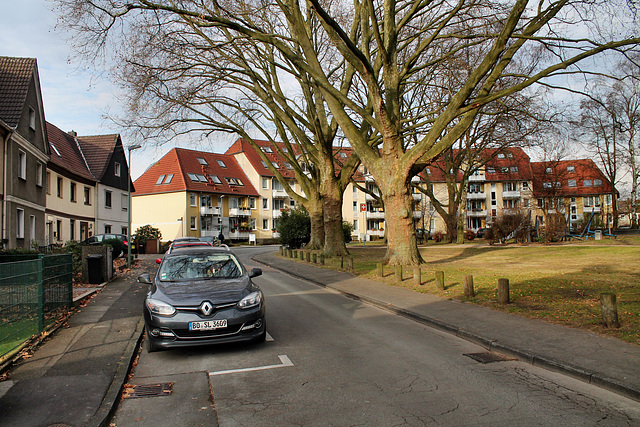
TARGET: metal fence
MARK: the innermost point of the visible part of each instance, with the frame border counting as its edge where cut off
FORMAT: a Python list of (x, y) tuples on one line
[(35, 290)]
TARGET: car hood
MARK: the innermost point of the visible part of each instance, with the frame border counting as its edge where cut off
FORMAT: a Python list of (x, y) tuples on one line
[(216, 291)]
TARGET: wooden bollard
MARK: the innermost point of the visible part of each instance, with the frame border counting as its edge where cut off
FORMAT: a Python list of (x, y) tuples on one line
[(609, 308), (341, 262), (315, 258), (503, 291), (417, 276), (295, 254), (440, 279), (288, 253), (350, 263), (398, 269), (322, 259), (281, 250), (302, 255), (308, 256), (380, 269), (468, 286)]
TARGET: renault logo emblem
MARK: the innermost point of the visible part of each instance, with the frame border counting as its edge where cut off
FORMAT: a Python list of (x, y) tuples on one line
[(206, 308)]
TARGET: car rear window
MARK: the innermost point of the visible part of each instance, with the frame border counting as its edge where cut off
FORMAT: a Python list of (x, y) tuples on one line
[(199, 267)]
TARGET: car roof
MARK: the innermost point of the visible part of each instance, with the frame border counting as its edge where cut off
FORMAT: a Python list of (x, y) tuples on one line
[(202, 249)]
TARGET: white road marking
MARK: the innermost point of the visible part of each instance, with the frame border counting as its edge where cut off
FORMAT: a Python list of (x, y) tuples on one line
[(269, 337), (284, 360)]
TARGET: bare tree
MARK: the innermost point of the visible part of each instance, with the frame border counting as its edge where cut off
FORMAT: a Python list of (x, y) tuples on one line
[(389, 49)]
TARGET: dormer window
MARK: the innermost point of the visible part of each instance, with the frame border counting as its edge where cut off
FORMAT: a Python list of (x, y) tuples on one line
[(571, 168), (202, 161), (221, 163), (266, 149)]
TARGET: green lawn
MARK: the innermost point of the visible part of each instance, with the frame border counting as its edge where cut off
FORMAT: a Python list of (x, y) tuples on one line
[(560, 283), (12, 335)]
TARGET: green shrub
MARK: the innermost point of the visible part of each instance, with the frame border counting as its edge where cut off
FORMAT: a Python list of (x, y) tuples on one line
[(347, 229), (294, 227)]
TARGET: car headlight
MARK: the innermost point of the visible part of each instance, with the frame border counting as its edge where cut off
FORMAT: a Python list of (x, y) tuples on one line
[(160, 308), (251, 300)]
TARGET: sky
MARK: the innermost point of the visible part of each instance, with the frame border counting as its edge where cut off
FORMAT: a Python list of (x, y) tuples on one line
[(73, 99)]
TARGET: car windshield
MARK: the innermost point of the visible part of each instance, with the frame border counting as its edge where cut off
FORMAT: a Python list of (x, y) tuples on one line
[(199, 267)]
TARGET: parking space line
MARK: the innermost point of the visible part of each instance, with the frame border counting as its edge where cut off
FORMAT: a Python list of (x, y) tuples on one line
[(284, 362)]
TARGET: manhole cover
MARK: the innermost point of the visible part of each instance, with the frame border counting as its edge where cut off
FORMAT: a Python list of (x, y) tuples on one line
[(132, 391), (488, 357)]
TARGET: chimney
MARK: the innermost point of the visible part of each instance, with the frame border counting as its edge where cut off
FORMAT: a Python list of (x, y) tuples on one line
[(73, 133)]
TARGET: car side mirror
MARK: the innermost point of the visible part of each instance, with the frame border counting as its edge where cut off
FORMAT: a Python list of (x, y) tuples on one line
[(144, 278), (255, 272)]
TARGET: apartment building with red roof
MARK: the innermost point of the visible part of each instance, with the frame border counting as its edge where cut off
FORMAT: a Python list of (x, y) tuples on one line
[(189, 193)]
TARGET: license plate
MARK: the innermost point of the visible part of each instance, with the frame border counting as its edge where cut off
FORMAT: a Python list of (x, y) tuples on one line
[(207, 325)]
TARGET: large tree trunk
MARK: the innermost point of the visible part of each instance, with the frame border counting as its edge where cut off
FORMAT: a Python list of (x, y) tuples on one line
[(315, 209), (461, 217), (402, 245), (334, 244)]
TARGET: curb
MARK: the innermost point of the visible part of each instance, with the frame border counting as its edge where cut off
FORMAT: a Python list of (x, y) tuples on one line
[(109, 404), (488, 343)]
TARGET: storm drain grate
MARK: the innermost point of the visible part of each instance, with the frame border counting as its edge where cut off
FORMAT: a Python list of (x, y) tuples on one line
[(487, 357), (132, 391)]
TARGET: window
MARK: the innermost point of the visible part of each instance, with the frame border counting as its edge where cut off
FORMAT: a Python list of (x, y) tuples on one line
[(252, 202), (355, 192), (58, 230), (124, 199), (239, 182), (202, 178), (548, 170), (233, 203), (72, 192), (266, 149), (32, 118), (597, 182), (491, 170), (265, 204), (510, 186), (72, 229), (355, 225), (504, 169), (510, 155), (193, 177), (215, 179), (343, 155), (355, 208), (572, 183), (539, 203), (20, 223), (192, 199), (264, 163), (525, 185), (107, 228), (168, 179), (265, 224), (525, 203), (587, 183), (221, 164), (232, 181), (475, 188), (124, 230), (39, 169), (500, 155), (32, 219), (514, 169), (87, 196), (288, 165), (277, 185), (254, 224), (547, 185), (571, 168), (193, 222), (202, 161), (48, 182), (265, 183), (510, 204), (22, 164), (160, 179), (275, 165), (107, 201), (117, 169), (59, 187)]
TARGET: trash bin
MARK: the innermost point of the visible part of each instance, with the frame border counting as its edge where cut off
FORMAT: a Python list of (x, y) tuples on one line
[(598, 235), (94, 267)]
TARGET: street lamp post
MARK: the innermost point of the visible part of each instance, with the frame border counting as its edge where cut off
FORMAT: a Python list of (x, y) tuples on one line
[(130, 148)]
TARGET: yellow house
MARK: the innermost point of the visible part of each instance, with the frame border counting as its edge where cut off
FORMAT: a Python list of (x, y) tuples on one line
[(190, 193)]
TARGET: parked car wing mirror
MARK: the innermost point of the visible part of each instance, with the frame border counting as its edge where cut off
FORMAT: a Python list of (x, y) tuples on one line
[(255, 272), (144, 278)]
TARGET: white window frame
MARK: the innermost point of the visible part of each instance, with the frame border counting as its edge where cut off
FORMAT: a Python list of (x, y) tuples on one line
[(118, 169), (20, 223), (265, 223), (193, 223), (22, 164), (39, 174), (32, 119), (265, 204), (32, 226), (265, 183), (124, 199), (192, 200)]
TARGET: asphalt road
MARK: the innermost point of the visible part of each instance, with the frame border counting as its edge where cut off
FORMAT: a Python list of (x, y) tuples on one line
[(333, 361)]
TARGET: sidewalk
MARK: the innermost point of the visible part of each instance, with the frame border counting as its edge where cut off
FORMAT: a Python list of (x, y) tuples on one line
[(605, 362), (75, 377)]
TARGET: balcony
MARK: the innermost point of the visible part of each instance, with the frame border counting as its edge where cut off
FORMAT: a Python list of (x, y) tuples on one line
[(375, 215), (239, 235), (235, 212), (476, 213), (511, 194), (368, 197), (417, 214), (477, 196), (210, 210), (279, 194), (477, 177), (588, 209), (368, 177), (418, 196), (276, 213), (379, 233)]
